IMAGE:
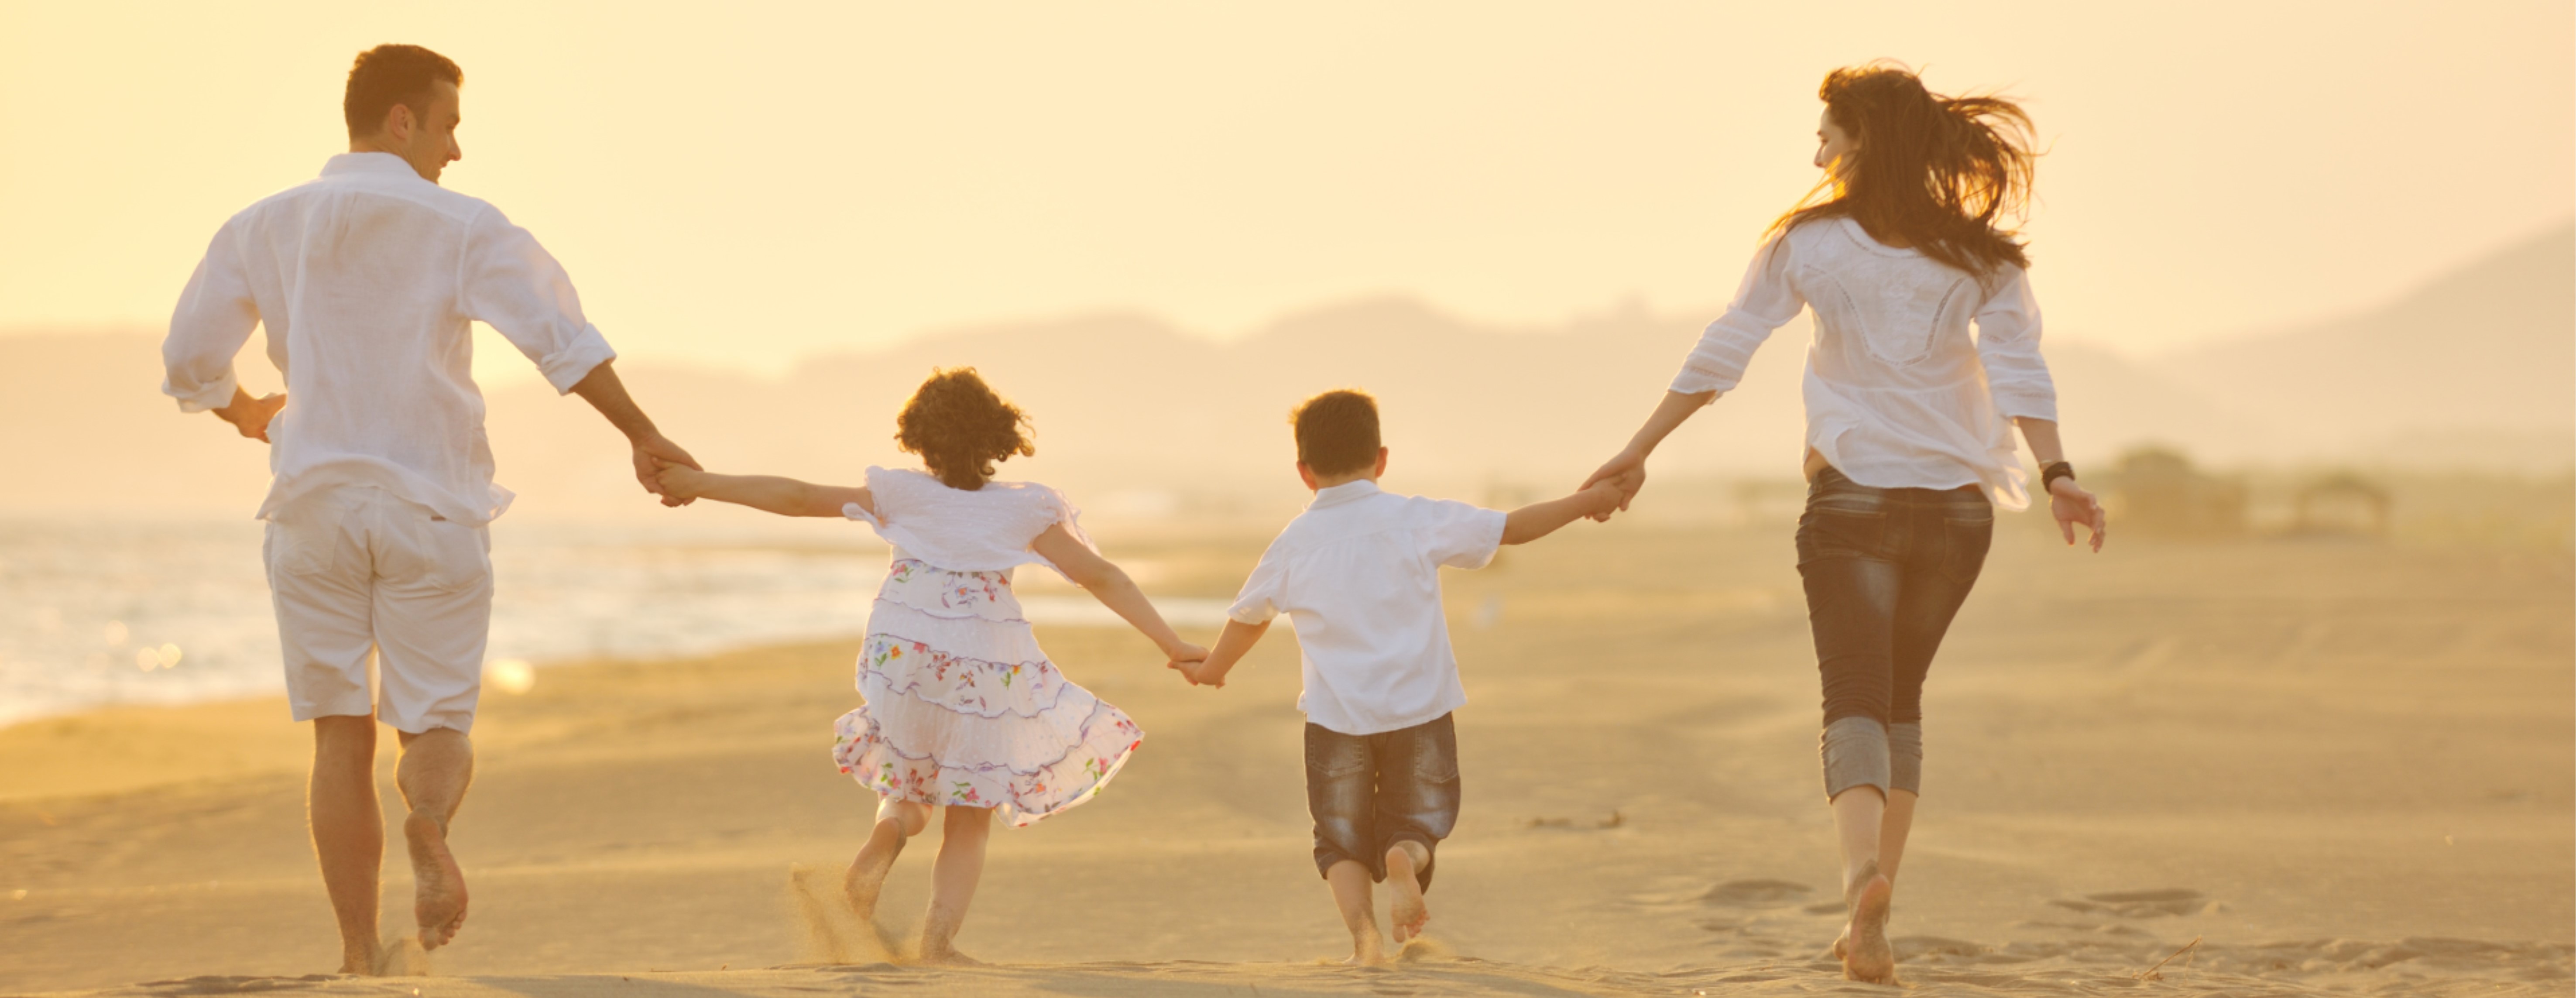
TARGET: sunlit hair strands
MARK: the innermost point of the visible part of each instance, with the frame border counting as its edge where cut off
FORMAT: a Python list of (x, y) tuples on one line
[(1337, 431), (1939, 173), (960, 427), (387, 75)]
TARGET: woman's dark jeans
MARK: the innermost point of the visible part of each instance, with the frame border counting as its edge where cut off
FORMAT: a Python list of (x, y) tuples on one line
[(1885, 570)]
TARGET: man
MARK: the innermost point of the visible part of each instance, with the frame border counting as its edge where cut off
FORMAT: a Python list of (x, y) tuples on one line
[(367, 278)]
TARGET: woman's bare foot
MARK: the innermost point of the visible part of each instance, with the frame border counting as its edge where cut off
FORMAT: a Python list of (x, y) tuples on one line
[(1867, 955), (867, 875), (1406, 908), (439, 884)]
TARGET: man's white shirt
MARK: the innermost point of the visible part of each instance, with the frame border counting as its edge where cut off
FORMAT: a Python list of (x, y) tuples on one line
[(367, 278), (1358, 574)]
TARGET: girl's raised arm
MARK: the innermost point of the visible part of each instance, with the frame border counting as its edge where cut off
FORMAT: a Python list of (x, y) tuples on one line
[(767, 493), (1110, 585)]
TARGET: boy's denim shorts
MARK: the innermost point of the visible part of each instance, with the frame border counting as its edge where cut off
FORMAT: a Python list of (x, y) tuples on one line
[(1369, 792)]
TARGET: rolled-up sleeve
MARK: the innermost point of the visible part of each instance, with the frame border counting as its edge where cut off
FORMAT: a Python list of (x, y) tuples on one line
[(2008, 343), (215, 317), (1259, 600), (1765, 301), (514, 286)]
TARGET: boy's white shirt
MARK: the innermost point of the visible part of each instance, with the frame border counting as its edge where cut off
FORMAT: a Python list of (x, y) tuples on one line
[(1358, 574)]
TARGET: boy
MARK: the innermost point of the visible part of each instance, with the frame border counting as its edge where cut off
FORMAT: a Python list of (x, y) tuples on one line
[(1358, 574)]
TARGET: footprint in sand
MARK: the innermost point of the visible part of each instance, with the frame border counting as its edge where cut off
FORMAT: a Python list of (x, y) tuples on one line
[(2143, 904), (1757, 894)]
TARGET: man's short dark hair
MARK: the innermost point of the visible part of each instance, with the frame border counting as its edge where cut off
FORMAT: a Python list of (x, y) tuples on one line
[(1336, 432), (387, 75)]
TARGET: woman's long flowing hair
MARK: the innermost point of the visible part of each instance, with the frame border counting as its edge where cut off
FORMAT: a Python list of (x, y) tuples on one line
[(1940, 173)]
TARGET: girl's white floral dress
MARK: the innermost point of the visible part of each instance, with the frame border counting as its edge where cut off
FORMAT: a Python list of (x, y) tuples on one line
[(963, 708)]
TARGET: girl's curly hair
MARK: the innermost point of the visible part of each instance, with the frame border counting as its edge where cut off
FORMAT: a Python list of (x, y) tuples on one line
[(960, 427)]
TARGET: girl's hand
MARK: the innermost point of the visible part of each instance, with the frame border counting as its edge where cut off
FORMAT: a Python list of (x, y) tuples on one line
[(1184, 655), (2070, 504), (679, 482)]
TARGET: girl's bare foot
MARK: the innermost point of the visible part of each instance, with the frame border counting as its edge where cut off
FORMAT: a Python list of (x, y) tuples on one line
[(867, 875), (1867, 955), (439, 884), (1406, 909), (938, 952), (1367, 951)]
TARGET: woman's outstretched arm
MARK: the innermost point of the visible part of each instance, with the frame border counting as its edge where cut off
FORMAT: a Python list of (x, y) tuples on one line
[(1110, 585), (767, 493)]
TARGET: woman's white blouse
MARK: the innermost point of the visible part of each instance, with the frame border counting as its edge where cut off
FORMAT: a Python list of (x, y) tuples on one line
[(987, 530), (1898, 393)]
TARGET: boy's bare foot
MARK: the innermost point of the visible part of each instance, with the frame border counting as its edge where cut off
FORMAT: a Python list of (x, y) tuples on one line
[(1366, 951), (439, 898), (1867, 955), (867, 875), (1406, 909), (361, 959)]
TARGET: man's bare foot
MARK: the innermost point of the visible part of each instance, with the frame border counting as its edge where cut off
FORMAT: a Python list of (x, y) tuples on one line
[(401, 956), (360, 958), (439, 901), (1867, 956), (1406, 909), (867, 875)]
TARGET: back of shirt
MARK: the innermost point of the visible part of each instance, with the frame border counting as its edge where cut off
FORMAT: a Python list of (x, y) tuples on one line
[(1358, 576), (367, 278)]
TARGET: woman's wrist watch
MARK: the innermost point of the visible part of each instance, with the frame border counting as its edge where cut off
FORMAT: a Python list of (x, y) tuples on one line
[(2051, 472)]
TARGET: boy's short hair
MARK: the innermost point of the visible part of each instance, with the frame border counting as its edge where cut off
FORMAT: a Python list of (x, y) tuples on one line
[(387, 75), (1336, 432)]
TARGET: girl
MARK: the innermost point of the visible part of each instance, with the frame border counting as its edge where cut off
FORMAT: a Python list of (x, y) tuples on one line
[(1908, 445), (962, 710)]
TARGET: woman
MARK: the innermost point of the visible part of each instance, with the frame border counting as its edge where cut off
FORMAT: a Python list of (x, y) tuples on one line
[(1908, 445)]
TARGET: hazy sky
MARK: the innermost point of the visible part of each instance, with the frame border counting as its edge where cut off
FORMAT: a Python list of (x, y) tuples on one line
[(745, 183)]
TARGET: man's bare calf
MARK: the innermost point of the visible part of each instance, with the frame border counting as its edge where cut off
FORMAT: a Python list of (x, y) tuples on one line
[(436, 767)]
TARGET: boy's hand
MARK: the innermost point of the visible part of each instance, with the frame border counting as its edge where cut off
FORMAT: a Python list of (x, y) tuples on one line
[(1603, 498), (1199, 674)]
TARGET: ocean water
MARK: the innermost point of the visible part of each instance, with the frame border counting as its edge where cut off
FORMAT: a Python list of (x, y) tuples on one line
[(97, 612)]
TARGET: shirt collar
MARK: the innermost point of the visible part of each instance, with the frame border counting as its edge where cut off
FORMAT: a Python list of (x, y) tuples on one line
[(369, 162), (1352, 491)]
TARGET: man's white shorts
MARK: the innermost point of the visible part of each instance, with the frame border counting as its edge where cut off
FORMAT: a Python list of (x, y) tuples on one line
[(357, 567)]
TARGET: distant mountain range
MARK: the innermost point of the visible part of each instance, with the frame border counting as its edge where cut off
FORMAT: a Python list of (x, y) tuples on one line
[(2476, 369)]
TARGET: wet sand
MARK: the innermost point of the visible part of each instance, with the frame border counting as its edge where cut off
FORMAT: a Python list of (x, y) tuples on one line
[(2343, 767)]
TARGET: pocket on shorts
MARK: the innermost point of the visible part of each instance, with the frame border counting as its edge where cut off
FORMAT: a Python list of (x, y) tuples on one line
[(442, 554), (308, 544), (1435, 753), (1330, 754)]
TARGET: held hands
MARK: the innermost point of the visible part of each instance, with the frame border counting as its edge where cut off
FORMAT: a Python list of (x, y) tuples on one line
[(1624, 473), (2070, 504), (677, 484), (655, 454), (1191, 661), (251, 415)]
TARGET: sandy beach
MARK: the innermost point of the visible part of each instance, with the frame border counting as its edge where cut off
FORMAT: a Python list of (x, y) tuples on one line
[(2342, 767)]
